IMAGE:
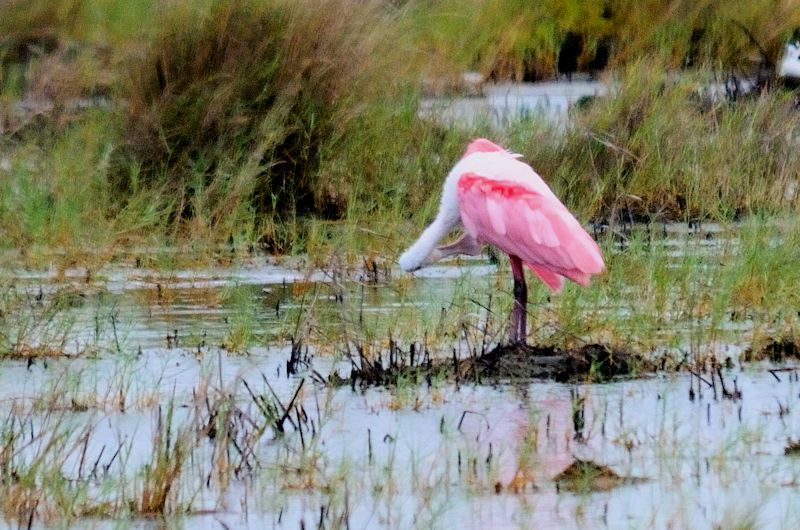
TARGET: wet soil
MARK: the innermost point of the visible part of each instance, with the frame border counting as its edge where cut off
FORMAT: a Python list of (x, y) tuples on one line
[(583, 476), (593, 362), (792, 447), (776, 350), (505, 363)]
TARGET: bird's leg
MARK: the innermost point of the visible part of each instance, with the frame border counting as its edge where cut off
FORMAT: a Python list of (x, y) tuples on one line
[(517, 333)]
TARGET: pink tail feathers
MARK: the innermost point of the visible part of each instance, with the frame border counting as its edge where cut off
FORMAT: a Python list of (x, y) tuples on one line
[(551, 279)]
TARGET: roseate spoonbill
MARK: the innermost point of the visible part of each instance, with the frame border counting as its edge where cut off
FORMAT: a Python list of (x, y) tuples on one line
[(502, 201)]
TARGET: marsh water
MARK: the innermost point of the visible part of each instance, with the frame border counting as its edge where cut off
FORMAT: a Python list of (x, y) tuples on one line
[(143, 349), (502, 103)]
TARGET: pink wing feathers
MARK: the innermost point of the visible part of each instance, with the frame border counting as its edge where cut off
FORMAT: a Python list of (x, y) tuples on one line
[(534, 226)]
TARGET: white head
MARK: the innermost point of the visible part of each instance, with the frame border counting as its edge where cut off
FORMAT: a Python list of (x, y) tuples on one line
[(423, 251)]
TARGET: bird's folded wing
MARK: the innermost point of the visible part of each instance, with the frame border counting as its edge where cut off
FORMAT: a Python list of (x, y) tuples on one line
[(535, 227)]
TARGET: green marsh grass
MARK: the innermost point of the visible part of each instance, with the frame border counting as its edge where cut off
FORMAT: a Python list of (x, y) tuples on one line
[(657, 146), (522, 40), (34, 324), (295, 124), (243, 322), (680, 300), (239, 113)]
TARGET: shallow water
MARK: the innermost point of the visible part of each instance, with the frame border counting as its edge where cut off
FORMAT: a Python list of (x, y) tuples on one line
[(429, 456), (447, 455), (504, 103)]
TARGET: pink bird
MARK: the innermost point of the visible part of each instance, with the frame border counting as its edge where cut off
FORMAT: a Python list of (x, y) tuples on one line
[(502, 201)]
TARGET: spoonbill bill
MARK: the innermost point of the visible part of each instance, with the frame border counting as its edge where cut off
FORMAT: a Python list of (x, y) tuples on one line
[(502, 201)]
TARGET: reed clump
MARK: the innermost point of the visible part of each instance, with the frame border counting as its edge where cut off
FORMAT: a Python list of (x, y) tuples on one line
[(662, 146), (238, 109)]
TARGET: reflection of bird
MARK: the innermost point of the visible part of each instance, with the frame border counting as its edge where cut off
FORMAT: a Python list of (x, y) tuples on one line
[(501, 200)]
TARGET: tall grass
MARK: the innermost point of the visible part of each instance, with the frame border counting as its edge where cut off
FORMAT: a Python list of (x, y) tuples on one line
[(660, 146), (524, 40), (272, 121), (242, 112)]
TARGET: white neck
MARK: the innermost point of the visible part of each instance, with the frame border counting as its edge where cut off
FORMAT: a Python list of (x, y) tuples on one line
[(448, 217), (417, 254)]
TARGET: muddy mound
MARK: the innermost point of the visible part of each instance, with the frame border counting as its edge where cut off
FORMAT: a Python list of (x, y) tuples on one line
[(592, 362), (776, 350), (585, 476), (595, 362)]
